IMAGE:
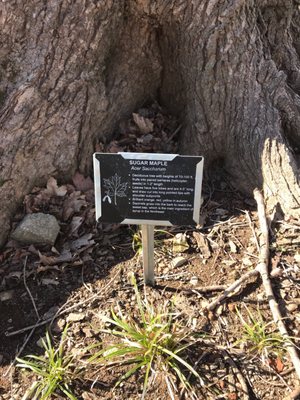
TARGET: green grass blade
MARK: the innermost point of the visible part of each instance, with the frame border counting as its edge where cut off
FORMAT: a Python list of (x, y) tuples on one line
[(67, 393), (140, 304), (145, 386), (179, 359), (130, 372)]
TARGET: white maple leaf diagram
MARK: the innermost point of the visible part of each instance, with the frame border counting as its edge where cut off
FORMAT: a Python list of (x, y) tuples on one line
[(114, 188)]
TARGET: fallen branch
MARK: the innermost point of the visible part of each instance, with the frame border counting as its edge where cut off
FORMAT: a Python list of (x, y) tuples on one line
[(262, 268)]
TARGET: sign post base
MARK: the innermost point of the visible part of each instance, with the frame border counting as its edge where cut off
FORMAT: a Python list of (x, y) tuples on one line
[(148, 253)]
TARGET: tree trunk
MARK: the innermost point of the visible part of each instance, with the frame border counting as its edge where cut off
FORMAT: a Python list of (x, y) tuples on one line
[(71, 69)]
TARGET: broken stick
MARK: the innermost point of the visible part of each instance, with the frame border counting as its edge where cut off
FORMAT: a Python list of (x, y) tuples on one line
[(262, 268), (231, 289)]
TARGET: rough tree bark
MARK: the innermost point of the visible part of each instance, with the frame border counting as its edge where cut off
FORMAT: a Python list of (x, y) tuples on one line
[(71, 69)]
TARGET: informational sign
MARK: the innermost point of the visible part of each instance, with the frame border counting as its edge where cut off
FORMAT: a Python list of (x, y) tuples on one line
[(152, 189)]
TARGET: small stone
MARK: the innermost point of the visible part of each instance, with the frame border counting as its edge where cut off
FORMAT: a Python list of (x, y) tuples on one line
[(292, 307), (75, 317), (88, 331), (194, 280), (6, 295), (37, 228), (178, 262)]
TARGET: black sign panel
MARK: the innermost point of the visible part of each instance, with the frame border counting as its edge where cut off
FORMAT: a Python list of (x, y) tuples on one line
[(142, 188)]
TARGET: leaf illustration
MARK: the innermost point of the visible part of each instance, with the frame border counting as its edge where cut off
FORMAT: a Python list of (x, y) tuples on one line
[(114, 187)]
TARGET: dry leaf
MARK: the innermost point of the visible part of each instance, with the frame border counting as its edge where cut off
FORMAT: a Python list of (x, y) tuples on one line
[(231, 307), (276, 363), (222, 384), (65, 256), (55, 190), (114, 147), (145, 125), (81, 183), (47, 281), (45, 260), (75, 225), (85, 240), (73, 204), (202, 244), (47, 268)]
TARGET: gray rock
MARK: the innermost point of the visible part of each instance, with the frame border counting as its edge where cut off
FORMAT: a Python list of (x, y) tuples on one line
[(37, 228), (178, 262)]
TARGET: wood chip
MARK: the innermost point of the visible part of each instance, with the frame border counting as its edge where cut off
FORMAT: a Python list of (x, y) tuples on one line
[(203, 244), (75, 317)]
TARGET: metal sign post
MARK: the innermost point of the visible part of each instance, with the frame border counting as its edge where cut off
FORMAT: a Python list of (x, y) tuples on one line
[(148, 253)]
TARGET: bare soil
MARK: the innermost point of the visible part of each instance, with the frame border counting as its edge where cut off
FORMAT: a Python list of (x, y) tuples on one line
[(87, 273)]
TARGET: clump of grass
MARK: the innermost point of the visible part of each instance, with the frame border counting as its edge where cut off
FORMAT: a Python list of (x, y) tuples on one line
[(137, 240), (155, 341), (260, 337), (54, 371)]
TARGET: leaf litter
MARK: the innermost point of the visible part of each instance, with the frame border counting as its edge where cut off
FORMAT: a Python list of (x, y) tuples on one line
[(86, 273)]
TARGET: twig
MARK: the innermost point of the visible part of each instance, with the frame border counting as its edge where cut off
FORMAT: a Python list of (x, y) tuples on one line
[(206, 289), (262, 268), (252, 229), (230, 289), (20, 351), (195, 290), (174, 134), (239, 375), (28, 290)]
